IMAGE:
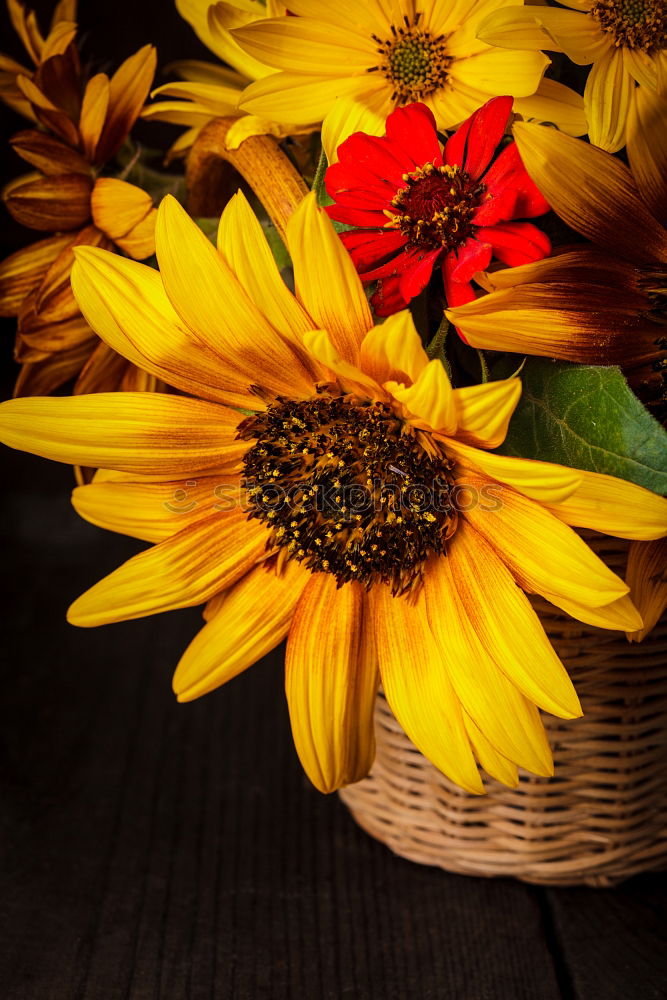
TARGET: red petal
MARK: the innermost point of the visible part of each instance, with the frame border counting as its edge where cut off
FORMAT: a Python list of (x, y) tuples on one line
[(457, 293), (369, 250), (356, 217), (373, 153), (516, 243), (351, 177), (387, 299), (397, 265), (497, 207), (471, 257), (367, 199), (413, 129), (509, 172), (417, 277), (483, 131)]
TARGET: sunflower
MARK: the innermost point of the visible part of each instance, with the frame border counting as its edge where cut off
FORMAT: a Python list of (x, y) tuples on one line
[(207, 90), (309, 486), (415, 206), (82, 125), (601, 303), (61, 32), (625, 40), (380, 56)]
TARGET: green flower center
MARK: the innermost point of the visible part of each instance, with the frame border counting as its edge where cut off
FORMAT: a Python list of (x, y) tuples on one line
[(413, 60), (435, 207), (348, 488), (635, 24)]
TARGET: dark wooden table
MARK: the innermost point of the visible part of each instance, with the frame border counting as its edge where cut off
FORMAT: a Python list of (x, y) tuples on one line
[(155, 850)]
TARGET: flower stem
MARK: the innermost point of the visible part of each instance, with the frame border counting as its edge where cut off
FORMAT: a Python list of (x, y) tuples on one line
[(436, 348), (258, 159), (483, 365), (318, 179)]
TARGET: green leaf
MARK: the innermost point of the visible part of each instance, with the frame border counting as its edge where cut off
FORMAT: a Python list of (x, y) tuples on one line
[(587, 418)]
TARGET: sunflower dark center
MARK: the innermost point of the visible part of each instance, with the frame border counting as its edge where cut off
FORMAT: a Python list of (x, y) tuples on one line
[(413, 60), (348, 488), (635, 24), (435, 207)]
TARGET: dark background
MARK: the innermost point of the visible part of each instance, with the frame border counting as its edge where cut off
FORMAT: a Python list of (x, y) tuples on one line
[(155, 850)]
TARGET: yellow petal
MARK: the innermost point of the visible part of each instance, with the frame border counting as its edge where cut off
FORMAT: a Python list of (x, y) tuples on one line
[(139, 243), (296, 44), (297, 99), (252, 617), (418, 688), (647, 149), (93, 113), (614, 506), (515, 27), (252, 262), (621, 615), (493, 762), (117, 207), (210, 300), (327, 284), (484, 411), (554, 102), (223, 19), (218, 99), (134, 431), (607, 98), (319, 346), (126, 305), (545, 555), (128, 90), (592, 191), (331, 681), (501, 71), (21, 271), (156, 510), (184, 570), (497, 613), (647, 579), (542, 481), (348, 116), (393, 350), (430, 399)]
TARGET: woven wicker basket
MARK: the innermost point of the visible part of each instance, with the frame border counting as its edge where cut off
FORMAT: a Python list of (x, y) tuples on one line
[(600, 819)]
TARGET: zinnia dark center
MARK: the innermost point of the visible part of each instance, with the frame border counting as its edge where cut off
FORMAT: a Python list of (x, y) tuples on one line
[(413, 60), (635, 24), (348, 488), (434, 209)]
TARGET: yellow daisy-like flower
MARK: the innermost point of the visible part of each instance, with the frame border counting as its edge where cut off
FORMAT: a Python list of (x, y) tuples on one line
[(208, 91), (380, 55), (324, 510), (625, 40)]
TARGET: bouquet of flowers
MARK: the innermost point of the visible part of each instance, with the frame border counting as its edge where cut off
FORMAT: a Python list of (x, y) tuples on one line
[(363, 371)]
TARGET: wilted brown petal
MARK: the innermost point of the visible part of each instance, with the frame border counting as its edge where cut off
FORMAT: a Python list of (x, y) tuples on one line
[(48, 154), (53, 204), (22, 271)]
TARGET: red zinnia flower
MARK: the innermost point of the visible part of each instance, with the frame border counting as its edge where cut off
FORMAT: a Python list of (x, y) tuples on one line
[(416, 205)]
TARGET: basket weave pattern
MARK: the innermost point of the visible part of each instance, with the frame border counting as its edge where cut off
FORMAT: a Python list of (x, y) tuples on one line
[(600, 819)]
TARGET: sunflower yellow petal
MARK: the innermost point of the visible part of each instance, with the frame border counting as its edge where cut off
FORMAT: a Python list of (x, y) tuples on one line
[(250, 620), (252, 262), (614, 506), (484, 411), (21, 271), (223, 20), (298, 99), (490, 611), (154, 511), (393, 350), (501, 71), (647, 578), (125, 303), (348, 116), (418, 688), (296, 44), (128, 90), (592, 191), (545, 555), (184, 570), (607, 98), (319, 346), (554, 102), (210, 300), (331, 680), (621, 615), (542, 481), (117, 207), (142, 432), (647, 149), (326, 281), (430, 399), (94, 109), (494, 763), (512, 27), (642, 67)]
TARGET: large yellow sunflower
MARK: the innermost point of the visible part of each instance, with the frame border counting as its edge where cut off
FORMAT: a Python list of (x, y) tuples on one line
[(625, 40), (350, 506), (379, 55)]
